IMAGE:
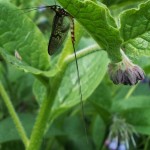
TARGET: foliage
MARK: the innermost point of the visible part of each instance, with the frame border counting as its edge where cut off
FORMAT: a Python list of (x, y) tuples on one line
[(44, 90)]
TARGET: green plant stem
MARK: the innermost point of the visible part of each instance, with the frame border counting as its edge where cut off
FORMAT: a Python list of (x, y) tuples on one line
[(44, 113), (132, 89), (84, 52), (14, 116), (42, 119)]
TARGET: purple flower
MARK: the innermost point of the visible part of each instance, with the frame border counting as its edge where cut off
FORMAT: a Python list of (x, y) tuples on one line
[(120, 135), (107, 142), (113, 144), (122, 146), (125, 72)]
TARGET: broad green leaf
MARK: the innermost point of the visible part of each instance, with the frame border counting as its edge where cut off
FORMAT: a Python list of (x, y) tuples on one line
[(121, 92), (142, 129), (74, 129), (18, 32), (142, 89), (9, 133), (136, 111), (116, 2), (18, 84), (138, 117), (98, 132), (39, 91), (92, 69), (102, 111), (102, 96), (96, 19), (118, 8), (23, 66), (101, 100), (8, 130), (144, 62), (135, 31), (132, 102)]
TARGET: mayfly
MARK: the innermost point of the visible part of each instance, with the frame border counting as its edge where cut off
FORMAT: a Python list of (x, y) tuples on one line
[(59, 31), (60, 28)]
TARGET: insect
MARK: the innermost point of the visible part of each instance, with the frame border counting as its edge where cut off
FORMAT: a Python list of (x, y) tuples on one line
[(59, 31), (60, 28), (62, 22)]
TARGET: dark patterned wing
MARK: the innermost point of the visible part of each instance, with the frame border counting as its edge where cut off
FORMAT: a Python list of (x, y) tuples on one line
[(60, 29)]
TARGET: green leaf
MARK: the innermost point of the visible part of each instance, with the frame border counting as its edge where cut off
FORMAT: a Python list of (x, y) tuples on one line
[(116, 2), (101, 100), (39, 91), (98, 132), (141, 90), (131, 103), (117, 9), (23, 66), (135, 30), (102, 111), (92, 69), (142, 129), (17, 32), (96, 19), (144, 62), (138, 117), (136, 111), (102, 96), (75, 133), (8, 130), (9, 133), (18, 84)]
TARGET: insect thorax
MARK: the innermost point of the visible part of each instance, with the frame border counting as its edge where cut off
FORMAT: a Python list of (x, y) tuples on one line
[(60, 11)]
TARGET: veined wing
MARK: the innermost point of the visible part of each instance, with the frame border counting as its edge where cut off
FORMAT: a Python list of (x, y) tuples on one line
[(60, 29)]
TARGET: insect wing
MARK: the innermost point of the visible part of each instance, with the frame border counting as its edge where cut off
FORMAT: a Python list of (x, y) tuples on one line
[(60, 29)]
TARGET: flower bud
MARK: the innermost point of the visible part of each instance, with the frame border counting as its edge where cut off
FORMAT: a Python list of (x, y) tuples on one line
[(125, 72)]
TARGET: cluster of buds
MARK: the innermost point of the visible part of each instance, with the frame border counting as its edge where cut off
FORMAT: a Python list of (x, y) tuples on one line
[(125, 72), (120, 135)]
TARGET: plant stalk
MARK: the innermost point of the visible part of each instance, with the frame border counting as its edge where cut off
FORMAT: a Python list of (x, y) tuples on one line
[(42, 119), (14, 115)]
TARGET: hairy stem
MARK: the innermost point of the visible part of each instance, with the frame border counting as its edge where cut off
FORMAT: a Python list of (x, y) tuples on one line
[(52, 89), (84, 52), (14, 115), (42, 119), (132, 89)]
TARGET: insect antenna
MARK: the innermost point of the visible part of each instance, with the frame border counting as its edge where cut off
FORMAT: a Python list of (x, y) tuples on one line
[(78, 77), (26, 10), (29, 10)]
